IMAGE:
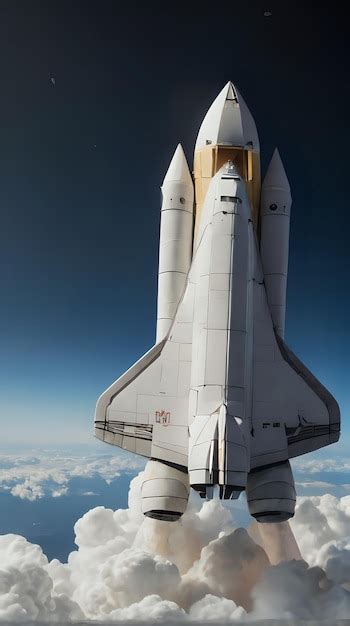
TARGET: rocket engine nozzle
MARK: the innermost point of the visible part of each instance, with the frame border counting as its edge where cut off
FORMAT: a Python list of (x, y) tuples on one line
[(271, 493), (164, 492)]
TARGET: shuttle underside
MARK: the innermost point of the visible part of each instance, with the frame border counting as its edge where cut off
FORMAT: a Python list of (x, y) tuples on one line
[(220, 400)]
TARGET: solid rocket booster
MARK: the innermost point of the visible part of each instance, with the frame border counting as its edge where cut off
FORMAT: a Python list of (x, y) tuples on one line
[(276, 201), (175, 242)]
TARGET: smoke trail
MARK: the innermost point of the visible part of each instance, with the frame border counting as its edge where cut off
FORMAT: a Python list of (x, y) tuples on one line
[(277, 540), (200, 568)]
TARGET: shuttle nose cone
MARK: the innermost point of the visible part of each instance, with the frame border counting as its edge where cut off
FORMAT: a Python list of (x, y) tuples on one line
[(276, 174), (178, 170), (228, 122)]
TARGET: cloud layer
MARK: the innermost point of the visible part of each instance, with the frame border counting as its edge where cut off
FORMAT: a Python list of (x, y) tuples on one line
[(202, 568), (33, 477), (318, 465)]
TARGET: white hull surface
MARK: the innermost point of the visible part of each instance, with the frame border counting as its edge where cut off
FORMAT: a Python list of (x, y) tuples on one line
[(221, 400)]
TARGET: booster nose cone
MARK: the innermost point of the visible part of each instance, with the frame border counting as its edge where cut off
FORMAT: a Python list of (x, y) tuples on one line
[(276, 187), (178, 170), (276, 174), (228, 122)]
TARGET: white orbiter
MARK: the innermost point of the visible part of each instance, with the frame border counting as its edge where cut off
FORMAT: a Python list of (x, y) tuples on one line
[(220, 400)]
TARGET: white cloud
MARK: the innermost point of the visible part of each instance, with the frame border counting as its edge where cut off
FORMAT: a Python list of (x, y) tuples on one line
[(57, 493), (150, 609), (316, 484), (320, 487), (33, 477), (200, 569), (292, 590), (335, 558), (215, 609), (317, 466), (28, 490), (26, 589), (318, 521)]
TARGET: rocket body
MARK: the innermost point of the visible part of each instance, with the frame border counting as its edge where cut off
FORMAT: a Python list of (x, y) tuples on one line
[(220, 400)]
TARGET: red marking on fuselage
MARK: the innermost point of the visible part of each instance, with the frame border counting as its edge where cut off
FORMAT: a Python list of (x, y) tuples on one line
[(163, 417)]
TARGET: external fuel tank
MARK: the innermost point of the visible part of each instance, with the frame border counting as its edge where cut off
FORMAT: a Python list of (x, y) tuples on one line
[(227, 133)]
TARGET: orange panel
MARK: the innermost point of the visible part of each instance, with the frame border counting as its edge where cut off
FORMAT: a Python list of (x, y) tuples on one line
[(210, 159)]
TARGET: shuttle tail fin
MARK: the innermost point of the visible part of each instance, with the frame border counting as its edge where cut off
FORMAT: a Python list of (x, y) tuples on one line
[(218, 455)]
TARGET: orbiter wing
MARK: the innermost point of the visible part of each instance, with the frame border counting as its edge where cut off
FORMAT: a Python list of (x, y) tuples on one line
[(292, 413), (146, 410)]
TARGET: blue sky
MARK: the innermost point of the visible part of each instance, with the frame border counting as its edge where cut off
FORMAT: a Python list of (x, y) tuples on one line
[(81, 164)]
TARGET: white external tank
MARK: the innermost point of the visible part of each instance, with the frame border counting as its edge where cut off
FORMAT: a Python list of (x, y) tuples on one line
[(271, 493), (276, 201), (175, 242), (164, 491)]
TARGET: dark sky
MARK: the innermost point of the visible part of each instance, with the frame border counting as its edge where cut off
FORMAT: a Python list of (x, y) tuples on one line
[(82, 160)]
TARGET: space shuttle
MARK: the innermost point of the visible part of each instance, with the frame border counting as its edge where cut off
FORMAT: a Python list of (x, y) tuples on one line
[(220, 403)]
